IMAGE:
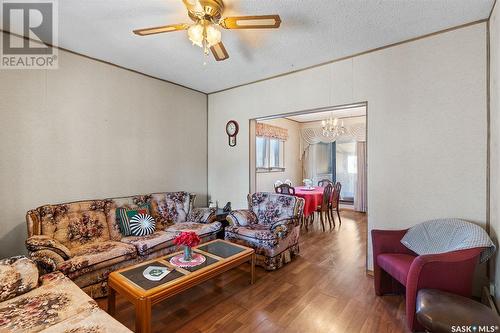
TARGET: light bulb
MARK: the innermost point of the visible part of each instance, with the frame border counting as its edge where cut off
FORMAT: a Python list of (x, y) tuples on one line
[(195, 34), (213, 35)]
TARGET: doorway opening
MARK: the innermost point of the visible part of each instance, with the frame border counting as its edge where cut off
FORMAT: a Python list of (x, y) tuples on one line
[(299, 146)]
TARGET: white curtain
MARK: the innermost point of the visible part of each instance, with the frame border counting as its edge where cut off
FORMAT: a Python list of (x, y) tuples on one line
[(360, 197), (316, 162), (313, 135)]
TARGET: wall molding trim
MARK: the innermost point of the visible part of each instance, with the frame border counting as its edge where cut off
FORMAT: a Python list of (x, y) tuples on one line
[(104, 62), (358, 54)]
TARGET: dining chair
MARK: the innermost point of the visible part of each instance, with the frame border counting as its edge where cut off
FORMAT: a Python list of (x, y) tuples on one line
[(277, 183), (285, 189), (334, 202), (324, 209), (288, 182), (324, 182)]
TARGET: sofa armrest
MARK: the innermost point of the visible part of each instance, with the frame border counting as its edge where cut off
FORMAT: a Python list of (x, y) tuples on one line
[(450, 271), (201, 215), (41, 242), (283, 227), (18, 275), (388, 241), (51, 278), (46, 260), (241, 217)]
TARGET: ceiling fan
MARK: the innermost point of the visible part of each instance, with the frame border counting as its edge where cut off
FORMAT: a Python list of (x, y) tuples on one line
[(207, 17)]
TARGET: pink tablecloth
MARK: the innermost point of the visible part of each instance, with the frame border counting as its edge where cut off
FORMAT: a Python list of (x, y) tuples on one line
[(312, 198)]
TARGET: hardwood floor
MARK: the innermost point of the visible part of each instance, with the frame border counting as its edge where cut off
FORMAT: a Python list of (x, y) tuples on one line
[(326, 289)]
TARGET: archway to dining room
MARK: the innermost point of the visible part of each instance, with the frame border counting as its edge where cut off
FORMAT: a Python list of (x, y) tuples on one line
[(309, 149)]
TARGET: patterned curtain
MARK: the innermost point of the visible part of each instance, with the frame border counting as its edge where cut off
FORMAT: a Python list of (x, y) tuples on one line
[(271, 131)]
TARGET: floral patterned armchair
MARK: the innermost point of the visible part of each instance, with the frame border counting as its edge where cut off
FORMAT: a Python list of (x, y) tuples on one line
[(270, 225), (51, 303), (82, 239)]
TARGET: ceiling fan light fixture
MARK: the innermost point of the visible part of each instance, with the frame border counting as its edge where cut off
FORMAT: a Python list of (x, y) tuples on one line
[(213, 35), (196, 34)]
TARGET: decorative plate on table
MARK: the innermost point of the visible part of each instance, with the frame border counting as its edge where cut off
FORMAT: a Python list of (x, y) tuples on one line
[(155, 273), (179, 261), (309, 188)]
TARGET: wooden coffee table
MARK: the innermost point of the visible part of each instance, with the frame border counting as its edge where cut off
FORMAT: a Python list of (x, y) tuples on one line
[(129, 282)]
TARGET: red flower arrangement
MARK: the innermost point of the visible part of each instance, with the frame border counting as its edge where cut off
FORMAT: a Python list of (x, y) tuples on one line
[(187, 238)]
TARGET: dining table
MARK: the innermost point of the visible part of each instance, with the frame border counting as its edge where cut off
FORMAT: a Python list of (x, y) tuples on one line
[(313, 196)]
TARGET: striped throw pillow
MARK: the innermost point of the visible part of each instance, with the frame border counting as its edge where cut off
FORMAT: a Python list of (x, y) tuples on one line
[(124, 215), (142, 225)]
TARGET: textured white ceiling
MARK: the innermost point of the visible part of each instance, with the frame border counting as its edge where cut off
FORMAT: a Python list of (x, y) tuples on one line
[(340, 113), (312, 32)]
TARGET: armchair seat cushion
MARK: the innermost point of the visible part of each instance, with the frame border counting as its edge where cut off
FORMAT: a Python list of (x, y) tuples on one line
[(262, 239), (55, 300), (90, 257), (257, 231), (201, 229), (396, 264), (151, 243)]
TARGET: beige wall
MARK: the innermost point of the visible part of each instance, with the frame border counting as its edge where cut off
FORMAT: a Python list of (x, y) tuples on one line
[(91, 130), (495, 143), (293, 165), (426, 126)]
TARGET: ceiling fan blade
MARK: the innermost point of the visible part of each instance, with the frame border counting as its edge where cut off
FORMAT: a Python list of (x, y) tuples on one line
[(251, 22), (159, 30), (219, 52), (194, 6)]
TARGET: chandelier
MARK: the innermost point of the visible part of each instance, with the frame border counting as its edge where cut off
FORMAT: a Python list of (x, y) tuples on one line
[(332, 128), (205, 34)]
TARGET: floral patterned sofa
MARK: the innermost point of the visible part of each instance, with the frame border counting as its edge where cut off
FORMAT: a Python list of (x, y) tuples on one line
[(83, 240), (51, 303), (270, 225)]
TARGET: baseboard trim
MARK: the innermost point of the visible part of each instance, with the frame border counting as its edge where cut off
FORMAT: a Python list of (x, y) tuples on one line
[(369, 273), (487, 300)]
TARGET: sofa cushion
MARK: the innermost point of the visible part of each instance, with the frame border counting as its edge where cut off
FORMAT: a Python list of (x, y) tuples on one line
[(74, 224), (201, 215), (18, 275), (170, 207), (150, 243), (54, 301), (142, 225), (201, 229), (396, 264), (93, 320), (93, 256), (124, 215)]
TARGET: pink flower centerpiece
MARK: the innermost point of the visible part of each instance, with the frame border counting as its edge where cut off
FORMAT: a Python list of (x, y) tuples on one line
[(188, 239)]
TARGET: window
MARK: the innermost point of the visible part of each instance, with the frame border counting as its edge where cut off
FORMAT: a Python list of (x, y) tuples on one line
[(323, 155), (270, 154), (347, 169)]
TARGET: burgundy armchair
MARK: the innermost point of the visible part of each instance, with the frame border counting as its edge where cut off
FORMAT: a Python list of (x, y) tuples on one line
[(397, 268)]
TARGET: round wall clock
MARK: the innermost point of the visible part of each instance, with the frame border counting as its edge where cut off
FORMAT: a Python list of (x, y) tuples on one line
[(232, 129)]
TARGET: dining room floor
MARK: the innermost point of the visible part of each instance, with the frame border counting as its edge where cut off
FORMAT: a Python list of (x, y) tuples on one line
[(325, 289)]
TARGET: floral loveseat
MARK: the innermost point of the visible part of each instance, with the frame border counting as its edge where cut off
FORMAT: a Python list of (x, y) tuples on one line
[(270, 225), (83, 240), (51, 303)]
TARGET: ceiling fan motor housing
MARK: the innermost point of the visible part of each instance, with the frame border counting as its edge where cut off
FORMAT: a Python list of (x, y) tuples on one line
[(205, 9)]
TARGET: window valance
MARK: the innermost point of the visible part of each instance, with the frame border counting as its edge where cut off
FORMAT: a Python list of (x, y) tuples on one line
[(313, 135), (271, 131)]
